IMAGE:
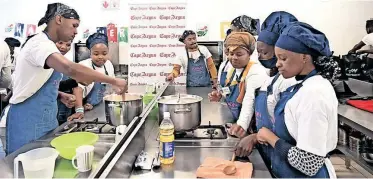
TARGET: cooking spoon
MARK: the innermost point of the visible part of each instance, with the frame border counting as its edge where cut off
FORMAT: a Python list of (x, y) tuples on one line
[(231, 168)]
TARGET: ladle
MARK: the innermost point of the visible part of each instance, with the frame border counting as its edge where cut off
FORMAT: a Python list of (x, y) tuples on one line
[(230, 169)]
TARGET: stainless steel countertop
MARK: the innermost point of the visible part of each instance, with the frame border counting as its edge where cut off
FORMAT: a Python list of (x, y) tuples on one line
[(356, 118), (63, 168), (189, 155)]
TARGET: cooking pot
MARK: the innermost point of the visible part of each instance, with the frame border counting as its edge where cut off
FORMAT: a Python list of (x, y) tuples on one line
[(185, 111), (121, 111)]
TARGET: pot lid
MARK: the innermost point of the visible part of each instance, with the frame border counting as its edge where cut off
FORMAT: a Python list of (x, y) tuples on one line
[(184, 99), (122, 98)]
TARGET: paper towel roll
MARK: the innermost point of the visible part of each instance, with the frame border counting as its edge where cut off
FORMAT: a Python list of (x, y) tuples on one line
[(123, 53)]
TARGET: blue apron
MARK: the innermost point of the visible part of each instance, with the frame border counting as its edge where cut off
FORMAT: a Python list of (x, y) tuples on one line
[(231, 99), (263, 119), (197, 72), (281, 168), (34, 117), (96, 95), (223, 74), (63, 110)]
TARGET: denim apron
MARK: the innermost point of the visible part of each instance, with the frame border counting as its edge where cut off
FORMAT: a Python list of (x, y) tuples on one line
[(281, 168), (231, 99), (34, 117), (96, 95), (63, 110), (223, 74), (197, 72), (263, 119)]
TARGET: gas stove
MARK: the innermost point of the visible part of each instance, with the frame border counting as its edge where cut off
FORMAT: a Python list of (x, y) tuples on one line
[(95, 126), (208, 132)]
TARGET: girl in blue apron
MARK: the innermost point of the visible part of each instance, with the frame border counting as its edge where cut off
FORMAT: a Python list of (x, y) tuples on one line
[(241, 81), (264, 105), (94, 93), (305, 117), (33, 106), (199, 70)]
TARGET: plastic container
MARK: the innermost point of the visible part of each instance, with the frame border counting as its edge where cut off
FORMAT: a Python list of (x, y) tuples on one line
[(166, 138), (68, 143), (37, 163)]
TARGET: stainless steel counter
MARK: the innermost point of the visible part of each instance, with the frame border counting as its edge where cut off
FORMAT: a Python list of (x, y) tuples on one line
[(357, 119), (63, 167), (189, 154)]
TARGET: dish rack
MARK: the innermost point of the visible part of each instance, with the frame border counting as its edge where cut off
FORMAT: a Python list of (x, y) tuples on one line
[(354, 144)]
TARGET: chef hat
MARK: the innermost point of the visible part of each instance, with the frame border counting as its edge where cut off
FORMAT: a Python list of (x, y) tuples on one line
[(56, 9), (185, 35), (302, 38), (272, 26), (96, 38)]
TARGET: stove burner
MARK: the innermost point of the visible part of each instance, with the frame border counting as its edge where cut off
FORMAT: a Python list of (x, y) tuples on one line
[(211, 131), (180, 134), (94, 126)]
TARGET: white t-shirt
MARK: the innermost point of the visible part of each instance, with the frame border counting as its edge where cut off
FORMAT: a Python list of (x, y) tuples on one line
[(254, 80), (279, 86), (5, 60), (311, 117), (225, 66), (368, 40), (183, 58), (88, 63), (29, 75)]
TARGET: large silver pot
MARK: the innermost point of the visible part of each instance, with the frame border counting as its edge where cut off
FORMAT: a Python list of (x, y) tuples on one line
[(121, 111), (185, 111)]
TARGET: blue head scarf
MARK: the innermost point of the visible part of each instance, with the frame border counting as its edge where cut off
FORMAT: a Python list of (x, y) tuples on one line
[(97, 38), (272, 26)]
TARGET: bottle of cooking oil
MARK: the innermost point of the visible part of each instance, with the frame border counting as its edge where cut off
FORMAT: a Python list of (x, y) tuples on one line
[(166, 138)]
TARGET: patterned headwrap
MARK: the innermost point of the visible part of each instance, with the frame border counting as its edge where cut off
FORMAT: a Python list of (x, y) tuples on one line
[(96, 38), (56, 9), (240, 39), (247, 23), (185, 35)]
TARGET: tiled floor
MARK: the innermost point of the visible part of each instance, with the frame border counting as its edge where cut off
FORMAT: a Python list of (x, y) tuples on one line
[(355, 171)]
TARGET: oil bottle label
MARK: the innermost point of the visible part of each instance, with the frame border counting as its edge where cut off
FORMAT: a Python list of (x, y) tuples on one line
[(167, 149)]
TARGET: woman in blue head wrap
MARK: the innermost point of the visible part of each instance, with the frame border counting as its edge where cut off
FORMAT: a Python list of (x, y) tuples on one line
[(91, 95), (306, 114), (265, 100)]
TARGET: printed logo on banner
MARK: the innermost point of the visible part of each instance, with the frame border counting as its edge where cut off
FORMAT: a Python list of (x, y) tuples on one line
[(112, 32), (18, 30), (86, 34), (102, 30), (31, 29), (9, 28), (123, 34), (110, 4), (154, 44), (202, 31)]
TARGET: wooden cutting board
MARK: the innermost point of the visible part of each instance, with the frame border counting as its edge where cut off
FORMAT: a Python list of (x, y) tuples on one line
[(213, 168)]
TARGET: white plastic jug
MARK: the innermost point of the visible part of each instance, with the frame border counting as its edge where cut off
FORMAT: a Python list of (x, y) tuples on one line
[(37, 163)]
